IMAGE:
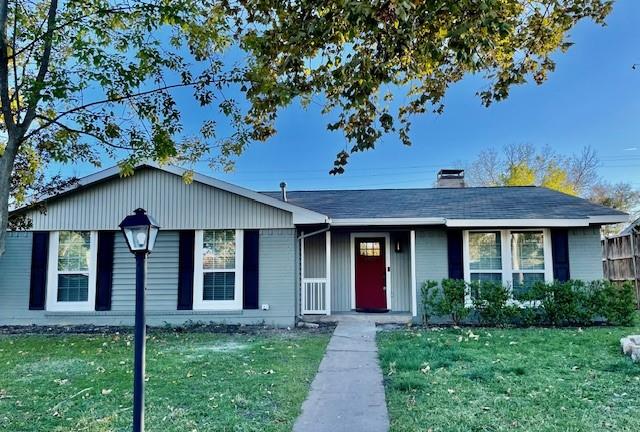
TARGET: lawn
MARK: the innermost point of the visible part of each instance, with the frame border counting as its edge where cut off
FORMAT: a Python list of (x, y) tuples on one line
[(195, 381), (510, 379)]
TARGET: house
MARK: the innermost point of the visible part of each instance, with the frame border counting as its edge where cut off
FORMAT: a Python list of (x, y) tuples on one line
[(632, 228), (228, 254)]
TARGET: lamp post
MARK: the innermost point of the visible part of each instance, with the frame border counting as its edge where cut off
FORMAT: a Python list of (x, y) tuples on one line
[(140, 232)]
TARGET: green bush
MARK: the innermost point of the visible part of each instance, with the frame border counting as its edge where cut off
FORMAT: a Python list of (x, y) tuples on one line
[(619, 303), (583, 303), (569, 303), (527, 316), (429, 292), (448, 301), (491, 302), (564, 303)]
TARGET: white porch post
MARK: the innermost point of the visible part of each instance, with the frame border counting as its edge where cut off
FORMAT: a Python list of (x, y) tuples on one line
[(302, 290), (328, 272), (414, 288)]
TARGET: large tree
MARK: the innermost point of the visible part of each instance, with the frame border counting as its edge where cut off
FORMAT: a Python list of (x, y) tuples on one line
[(525, 165), (81, 80)]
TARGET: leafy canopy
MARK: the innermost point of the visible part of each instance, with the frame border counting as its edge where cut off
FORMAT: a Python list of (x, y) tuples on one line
[(108, 85), (81, 80)]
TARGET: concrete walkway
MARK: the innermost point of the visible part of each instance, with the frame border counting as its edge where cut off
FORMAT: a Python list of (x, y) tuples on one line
[(347, 393)]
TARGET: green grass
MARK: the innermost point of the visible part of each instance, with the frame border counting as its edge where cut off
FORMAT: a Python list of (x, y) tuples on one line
[(510, 379), (196, 381)]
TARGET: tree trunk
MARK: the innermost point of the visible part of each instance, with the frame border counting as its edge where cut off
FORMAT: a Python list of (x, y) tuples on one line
[(4, 203), (6, 168)]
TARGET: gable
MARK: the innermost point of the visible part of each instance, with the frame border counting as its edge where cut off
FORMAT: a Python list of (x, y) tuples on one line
[(172, 202)]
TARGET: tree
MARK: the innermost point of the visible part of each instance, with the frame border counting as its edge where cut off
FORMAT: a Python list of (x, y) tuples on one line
[(524, 165), (519, 174), (81, 80), (620, 196), (557, 178)]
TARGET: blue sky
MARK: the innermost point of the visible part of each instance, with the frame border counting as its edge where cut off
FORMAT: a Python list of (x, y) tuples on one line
[(593, 98)]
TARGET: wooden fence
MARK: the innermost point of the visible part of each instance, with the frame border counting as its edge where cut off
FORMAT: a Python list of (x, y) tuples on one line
[(621, 260)]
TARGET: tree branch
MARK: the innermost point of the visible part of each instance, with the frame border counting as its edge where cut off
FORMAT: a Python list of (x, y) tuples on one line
[(81, 17), (83, 132), (13, 58), (129, 96), (4, 69), (44, 65)]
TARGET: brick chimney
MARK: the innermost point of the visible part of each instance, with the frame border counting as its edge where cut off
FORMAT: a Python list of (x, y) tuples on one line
[(451, 178)]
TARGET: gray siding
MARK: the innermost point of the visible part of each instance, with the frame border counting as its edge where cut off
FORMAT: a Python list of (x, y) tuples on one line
[(277, 286), (315, 257), (340, 272), (400, 273), (585, 254), (432, 261), (174, 204), (15, 268)]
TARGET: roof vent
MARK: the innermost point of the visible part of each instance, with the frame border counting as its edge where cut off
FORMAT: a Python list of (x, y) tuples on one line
[(283, 188), (451, 178)]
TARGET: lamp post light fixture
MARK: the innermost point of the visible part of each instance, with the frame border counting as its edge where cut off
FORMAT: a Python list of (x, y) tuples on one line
[(140, 231)]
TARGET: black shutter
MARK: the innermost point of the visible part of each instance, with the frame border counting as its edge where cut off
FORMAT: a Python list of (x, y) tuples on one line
[(560, 254), (39, 261), (454, 247), (104, 270), (250, 269), (185, 270)]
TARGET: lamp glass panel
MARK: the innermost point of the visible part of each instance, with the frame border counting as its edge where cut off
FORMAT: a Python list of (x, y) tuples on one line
[(137, 237)]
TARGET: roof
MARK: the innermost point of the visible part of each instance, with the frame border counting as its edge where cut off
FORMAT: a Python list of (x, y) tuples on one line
[(631, 228), (471, 203), (454, 207)]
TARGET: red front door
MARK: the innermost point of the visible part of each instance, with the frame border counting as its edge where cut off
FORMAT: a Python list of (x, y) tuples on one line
[(371, 274)]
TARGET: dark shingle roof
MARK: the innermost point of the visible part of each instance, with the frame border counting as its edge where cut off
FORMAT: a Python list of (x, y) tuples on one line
[(525, 202)]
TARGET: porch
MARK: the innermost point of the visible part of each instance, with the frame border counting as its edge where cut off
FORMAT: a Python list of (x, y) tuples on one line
[(345, 272)]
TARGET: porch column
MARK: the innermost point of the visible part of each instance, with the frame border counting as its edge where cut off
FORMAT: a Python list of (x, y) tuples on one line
[(302, 293), (328, 271), (414, 288)]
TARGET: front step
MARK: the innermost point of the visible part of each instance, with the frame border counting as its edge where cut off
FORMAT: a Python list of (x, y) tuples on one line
[(378, 318)]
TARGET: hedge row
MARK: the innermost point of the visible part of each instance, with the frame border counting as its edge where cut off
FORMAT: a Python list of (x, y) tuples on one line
[(572, 303)]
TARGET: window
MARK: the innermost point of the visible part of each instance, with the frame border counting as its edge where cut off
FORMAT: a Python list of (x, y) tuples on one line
[(485, 256), (72, 264), (527, 260), (370, 249), (515, 258), (218, 270)]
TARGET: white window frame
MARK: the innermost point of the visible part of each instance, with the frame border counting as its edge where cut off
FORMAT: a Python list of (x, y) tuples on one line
[(199, 271), (506, 254), (52, 277)]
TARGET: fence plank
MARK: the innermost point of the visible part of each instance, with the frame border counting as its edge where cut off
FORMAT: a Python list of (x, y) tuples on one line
[(621, 260)]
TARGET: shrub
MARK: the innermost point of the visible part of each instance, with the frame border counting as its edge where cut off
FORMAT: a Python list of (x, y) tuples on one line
[(618, 303), (527, 316), (446, 302), (558, 303), (491, 301), (429, 292), (563, 303)]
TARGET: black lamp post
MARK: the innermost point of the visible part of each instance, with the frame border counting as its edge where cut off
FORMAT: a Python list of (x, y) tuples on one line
[(140, 232)]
